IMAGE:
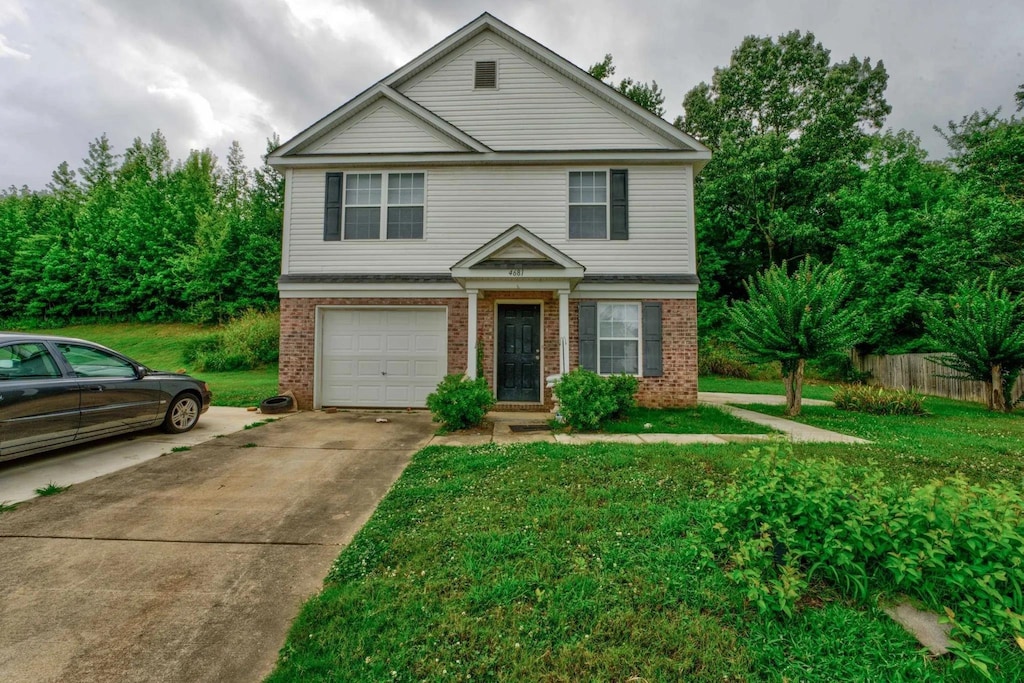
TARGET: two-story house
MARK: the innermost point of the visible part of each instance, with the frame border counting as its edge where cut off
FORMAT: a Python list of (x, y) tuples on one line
[(487, 208)]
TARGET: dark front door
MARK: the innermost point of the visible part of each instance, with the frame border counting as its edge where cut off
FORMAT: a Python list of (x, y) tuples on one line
[(519, 352)]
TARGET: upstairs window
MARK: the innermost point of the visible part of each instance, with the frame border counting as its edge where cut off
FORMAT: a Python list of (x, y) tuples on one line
[(485, 75), (588, 205), (374, 205)]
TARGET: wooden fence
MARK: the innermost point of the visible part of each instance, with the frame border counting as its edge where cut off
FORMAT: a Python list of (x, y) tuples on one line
[(915, 372)]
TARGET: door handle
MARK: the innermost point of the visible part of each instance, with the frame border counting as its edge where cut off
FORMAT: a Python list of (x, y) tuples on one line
[(95, 387)]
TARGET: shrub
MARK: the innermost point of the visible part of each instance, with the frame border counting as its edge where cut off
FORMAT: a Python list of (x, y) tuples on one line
[(954, 546), (717, 358), (459, 403), (586, 400), (878, 400), (838, 367), (245, 343)]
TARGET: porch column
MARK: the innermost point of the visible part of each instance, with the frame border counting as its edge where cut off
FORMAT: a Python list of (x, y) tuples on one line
[(563, 331), (471, 345)]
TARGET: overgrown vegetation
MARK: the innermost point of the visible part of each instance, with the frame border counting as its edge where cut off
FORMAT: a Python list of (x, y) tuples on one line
[(793, 318), (460, 403), (245, 343), (982, 328), (955, 546), (586, 400), (878, 400)]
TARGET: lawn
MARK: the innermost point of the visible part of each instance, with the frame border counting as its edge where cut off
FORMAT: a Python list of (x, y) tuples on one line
[(700, 420), (560, 563), (732, 385), (159, 346)]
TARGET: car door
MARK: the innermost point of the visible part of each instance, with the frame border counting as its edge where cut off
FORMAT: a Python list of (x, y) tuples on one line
[(39, 403), (115, 396)]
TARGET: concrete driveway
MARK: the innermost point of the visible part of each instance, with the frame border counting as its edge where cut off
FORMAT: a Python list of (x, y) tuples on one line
[(20, 478), (191, 567)]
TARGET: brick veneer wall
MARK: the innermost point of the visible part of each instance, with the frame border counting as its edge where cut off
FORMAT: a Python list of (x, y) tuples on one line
[(487, 338), (677, 387), (298, 338)]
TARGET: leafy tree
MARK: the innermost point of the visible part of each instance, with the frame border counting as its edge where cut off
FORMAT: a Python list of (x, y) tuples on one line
[(982, 329), (647, 95), (794, 318), (789, 129)]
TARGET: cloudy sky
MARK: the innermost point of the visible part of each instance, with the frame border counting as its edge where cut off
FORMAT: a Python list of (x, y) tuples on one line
[(206, 72)]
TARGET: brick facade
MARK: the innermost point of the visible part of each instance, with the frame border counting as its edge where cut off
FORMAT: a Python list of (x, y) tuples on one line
[(677, 387)]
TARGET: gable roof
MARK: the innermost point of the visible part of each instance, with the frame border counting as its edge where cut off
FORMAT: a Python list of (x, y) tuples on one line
[(389, 88), (367, 98), (516, 246)]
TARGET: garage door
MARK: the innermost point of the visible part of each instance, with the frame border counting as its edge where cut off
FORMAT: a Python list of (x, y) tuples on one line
[(382, 357)]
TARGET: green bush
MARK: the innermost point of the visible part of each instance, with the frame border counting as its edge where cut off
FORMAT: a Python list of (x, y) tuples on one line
[(459, 403), (837, 367), (957, 547), (245, 343), (586, 399), (878, 400), (723, 360)]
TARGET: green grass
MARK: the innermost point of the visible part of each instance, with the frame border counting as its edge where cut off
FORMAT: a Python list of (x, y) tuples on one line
[(7, 507), (699, 420), (558, 563), (51, 489), (954, 436), (159, 346), (773, 387)]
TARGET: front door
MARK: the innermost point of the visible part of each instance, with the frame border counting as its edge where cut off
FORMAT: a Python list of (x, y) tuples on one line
[(519, 352)]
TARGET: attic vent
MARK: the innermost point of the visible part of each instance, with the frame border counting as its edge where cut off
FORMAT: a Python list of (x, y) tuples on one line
[(486, 75)]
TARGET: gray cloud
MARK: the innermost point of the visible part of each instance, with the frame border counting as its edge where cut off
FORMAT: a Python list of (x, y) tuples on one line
[(209, 71)]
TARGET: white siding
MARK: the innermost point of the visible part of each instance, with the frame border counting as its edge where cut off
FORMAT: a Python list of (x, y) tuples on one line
[(466, 207), (532, 108), (383, 128)]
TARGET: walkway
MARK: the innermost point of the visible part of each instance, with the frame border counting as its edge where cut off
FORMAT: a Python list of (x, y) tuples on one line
[(499, 427)]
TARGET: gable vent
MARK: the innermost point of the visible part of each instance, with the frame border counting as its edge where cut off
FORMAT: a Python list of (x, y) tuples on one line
[(486, 75)]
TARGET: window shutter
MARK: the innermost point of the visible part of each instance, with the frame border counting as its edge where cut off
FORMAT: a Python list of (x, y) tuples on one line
[(332, 207), (652, 338), (620, 204), (588, 335)]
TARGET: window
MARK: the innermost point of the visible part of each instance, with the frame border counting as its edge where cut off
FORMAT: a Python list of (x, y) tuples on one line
[(89, 362), (618, 338), (588, 205), (27, 361), (405, 206), (366, 194), (485, 75)]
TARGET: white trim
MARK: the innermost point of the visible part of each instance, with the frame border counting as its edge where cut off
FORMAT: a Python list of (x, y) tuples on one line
[(287, 219), (563, 331), (542, 384), (371, 290), (318, 324), (471, 324), (602, 290), (605, 157)]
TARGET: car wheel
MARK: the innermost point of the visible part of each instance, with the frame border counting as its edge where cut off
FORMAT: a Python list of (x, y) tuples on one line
[(182, 415), (276, 404)]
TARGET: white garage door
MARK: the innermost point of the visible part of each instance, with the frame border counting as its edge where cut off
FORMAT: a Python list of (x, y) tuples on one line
[(382, 357)]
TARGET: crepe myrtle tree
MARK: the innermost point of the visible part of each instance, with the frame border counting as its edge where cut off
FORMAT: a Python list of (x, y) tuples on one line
[(792, 318), (981, 327)]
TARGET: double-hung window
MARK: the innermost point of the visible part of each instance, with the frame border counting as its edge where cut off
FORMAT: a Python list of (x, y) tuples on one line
[(618, 338), (588, 205), (372, 206)]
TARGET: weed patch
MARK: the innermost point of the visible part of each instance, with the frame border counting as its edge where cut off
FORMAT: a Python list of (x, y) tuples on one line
[(51, 489)]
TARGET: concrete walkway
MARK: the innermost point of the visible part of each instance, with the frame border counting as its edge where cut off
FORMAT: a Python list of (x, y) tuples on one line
[(192, 566), (498, 428)]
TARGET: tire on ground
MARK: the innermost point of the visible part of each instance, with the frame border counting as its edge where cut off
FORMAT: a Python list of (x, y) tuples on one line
[(183, 413), (276, 404)]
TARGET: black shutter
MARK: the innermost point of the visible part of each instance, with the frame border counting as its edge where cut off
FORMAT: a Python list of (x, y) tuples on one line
[(588, 335), (332, 207), (652, 338), (620, 204)]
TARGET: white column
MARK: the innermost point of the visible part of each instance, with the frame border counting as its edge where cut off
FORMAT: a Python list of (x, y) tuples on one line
[(563, 331), (471, 346)]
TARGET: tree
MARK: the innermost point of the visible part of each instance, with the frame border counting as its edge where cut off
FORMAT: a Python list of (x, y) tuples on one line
[(982, 329), (789, 129), (795, 318), (649, 96)]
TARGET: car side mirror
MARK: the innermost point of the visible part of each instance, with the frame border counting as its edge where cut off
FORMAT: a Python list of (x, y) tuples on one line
[(141, 371)]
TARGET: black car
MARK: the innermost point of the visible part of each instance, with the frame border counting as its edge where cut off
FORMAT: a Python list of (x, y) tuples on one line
[(56, 391)]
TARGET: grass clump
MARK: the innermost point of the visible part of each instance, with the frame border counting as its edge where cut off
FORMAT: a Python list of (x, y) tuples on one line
[(51, 489), (878, 400), (953, 545), (7, 507), (246, 343), (460, 403)]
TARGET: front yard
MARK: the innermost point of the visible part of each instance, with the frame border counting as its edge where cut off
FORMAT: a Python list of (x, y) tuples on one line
[(564, 563)]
